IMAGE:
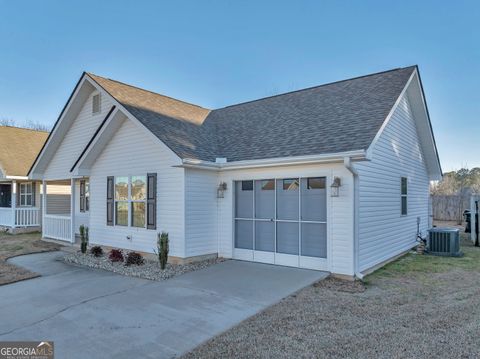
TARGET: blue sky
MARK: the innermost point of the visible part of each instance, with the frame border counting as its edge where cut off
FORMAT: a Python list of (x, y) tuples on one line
[(216, 53)]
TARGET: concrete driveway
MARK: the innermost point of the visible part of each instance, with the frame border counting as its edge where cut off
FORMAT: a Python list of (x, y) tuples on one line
[(98, 314)]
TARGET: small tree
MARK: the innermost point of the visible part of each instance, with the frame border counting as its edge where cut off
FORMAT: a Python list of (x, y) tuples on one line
[(83, 238), (162, 245)]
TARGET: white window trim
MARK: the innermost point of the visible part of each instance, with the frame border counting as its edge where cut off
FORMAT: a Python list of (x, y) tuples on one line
[(129, 201), (402, 196), (26, 194)]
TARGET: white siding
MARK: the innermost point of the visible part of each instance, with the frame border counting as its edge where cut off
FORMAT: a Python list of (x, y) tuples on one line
[(339, 210), (383, 232), (200, 212), (77, 137), (132, 151)]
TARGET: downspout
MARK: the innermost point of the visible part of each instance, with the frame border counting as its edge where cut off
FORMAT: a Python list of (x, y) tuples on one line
[(347, 161)]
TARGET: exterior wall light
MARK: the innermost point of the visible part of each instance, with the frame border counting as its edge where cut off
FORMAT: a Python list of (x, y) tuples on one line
[(335, 187), (222, 187)]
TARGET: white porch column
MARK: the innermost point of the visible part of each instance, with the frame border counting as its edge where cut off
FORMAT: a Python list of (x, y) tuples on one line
[(14, 202), (44, 205), (72, 208)]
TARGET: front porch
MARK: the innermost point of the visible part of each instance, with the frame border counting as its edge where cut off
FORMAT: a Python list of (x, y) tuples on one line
[(66, 208), (20, 205)]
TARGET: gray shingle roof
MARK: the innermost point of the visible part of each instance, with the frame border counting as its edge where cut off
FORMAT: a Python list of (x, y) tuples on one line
[(337, 117)]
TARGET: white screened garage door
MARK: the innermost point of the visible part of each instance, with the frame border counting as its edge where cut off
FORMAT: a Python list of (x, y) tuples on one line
[(282, 221)]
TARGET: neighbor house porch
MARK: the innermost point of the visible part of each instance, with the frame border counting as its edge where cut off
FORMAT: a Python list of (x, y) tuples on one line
[(66, 204), (20, 204)]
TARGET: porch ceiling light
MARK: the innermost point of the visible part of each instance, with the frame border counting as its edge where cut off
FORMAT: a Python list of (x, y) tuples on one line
[(335, 187)]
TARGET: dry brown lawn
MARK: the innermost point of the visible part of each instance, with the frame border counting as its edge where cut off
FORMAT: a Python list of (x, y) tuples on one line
[(16, 245)]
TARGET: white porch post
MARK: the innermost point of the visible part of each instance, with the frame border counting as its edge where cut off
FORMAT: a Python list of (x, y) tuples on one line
[(14, 202), (72, 209), (44, 205)]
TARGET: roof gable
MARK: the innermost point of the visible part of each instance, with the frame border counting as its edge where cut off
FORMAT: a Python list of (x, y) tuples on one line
[(18, 149)]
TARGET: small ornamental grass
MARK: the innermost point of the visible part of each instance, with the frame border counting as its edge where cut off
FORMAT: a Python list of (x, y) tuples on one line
[(116, 255), (96, 251), (134, 258)]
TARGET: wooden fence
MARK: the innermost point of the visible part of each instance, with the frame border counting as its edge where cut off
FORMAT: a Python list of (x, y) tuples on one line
[(449, 207)]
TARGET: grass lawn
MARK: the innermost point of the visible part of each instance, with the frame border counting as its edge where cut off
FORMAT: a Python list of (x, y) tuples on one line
[(416, 307), (15, 245)]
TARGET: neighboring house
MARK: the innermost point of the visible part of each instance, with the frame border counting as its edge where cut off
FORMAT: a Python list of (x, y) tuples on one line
[(19, 197), (332, 177)]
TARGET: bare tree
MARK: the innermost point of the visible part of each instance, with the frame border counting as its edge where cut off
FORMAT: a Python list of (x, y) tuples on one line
[(7, 122), (35, 125)]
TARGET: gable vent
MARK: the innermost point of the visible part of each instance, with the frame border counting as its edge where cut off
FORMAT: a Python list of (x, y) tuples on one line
[(96, 103)]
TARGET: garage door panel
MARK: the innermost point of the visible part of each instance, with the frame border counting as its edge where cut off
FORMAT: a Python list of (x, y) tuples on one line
[(264, 236), (314, 199), (244, 234), (314, 240), (244, 199), (265, 199), (287, 237), (287, 198)]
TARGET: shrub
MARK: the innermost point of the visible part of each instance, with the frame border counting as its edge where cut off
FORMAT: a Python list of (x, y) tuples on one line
[(97, 251), (115, 255), (83, 238), (134, 258), (162, 245)]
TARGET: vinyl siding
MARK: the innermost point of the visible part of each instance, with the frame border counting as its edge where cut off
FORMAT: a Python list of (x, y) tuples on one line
[(383, 231), (58, 199), (77, 137), (339, 210), (200, 212), (132, 151)]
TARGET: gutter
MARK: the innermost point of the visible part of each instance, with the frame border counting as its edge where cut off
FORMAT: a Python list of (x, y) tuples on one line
[(271, 162), (347, 161)]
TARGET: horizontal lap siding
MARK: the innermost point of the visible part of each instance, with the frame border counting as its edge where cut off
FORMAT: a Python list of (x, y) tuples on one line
[(77, 137), (200, 212), (383, 232), (339, 209), (133, 152)]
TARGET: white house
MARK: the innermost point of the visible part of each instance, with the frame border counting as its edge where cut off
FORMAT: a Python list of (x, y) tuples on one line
[(20, 201), (333, 177)]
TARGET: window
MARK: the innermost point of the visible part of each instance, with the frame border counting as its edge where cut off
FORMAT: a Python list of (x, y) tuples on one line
[(247, 185), (131, 198), (138, 200), (121, 201), (84, 196), (316, 183), (26, 194), (268, 185), (403, 195), (290, 184), (96, 103)]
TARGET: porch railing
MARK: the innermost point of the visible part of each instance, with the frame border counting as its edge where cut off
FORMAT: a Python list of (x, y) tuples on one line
[(6, 217), (27, 217), (57, 227)]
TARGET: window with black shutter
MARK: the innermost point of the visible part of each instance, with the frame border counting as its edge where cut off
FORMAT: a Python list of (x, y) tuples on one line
[(110, 200), (82, 196), (151, 200)]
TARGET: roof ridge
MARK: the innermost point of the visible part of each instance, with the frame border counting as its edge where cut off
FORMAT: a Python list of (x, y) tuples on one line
[(25, 128), (142, 89), (317, 86)]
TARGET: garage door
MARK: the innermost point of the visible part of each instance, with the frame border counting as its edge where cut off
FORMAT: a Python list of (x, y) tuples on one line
[(282, 221)]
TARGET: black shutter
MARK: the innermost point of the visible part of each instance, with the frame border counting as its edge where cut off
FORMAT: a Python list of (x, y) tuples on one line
[(82, 196), (110, 200), (34, 193), (151, 201)]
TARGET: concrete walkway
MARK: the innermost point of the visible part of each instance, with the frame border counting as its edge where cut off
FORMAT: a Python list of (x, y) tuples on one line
[(98, 314)]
